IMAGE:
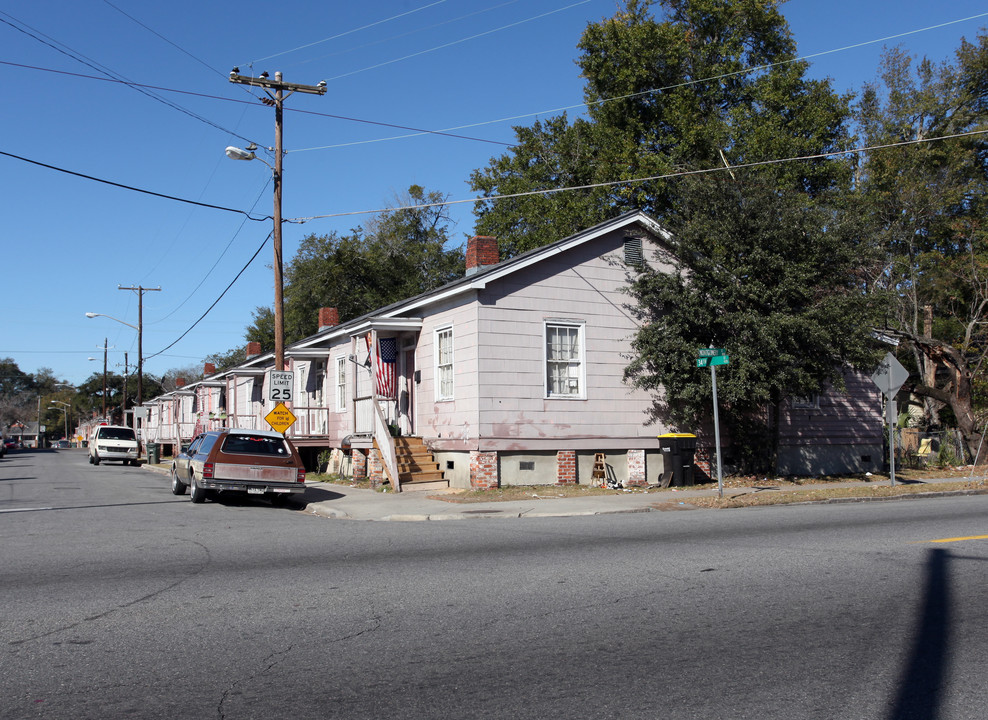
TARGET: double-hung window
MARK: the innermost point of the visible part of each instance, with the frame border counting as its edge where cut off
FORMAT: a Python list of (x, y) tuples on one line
[(564, 365), (444, 364), (341, 383)]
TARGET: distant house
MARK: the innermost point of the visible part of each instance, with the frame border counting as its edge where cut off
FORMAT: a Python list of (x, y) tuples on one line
[(512, 374), (25, 433)]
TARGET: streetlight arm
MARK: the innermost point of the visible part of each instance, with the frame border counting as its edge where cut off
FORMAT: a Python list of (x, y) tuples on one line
[(93, 315)]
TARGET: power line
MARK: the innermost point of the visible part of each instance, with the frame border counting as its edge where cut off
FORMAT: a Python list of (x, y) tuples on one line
[(460, 41), (225, 290), (392, 38), (348, 32), (98, 67), (416, 131), (557, 110), (652, 178), (135, 189)]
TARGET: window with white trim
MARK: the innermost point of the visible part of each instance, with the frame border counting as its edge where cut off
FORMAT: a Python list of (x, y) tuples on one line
[(444, 364), (564, 369), (341, 383), (806, 402)]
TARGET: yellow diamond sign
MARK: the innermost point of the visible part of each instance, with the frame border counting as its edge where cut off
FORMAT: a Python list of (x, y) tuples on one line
[(281, 418)]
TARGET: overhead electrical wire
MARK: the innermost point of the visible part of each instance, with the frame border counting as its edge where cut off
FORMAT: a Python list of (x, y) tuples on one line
[(215, 302), (221, 255), (451, 131), (349, 32), (136, 189), (80, 58), (416, 31), (652, 178), (417, 131), (457, 42)]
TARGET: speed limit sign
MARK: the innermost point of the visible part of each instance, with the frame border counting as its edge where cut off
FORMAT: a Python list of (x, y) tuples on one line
[(280, 388)]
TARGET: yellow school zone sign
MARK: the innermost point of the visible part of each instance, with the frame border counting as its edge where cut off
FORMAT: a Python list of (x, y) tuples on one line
[(280, 418)]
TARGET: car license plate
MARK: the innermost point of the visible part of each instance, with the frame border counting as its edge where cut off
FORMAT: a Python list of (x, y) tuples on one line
[(255, 491)]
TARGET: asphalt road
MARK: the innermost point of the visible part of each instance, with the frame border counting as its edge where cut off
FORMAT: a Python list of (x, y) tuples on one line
[(120, 600)]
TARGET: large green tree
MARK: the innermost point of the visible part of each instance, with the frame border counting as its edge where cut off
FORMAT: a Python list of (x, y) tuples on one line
[(17, 393), (926, 199), (768, 263)]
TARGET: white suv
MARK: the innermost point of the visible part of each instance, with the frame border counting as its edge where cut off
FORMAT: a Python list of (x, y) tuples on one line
[(113, 442)]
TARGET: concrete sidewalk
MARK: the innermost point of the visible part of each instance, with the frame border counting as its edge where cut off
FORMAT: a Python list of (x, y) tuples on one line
[(352, 503)]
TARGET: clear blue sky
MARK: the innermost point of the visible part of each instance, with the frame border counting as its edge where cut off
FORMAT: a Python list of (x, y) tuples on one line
[(479, 66)]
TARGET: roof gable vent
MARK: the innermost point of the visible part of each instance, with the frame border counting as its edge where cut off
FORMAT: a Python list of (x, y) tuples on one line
[(633, 253)]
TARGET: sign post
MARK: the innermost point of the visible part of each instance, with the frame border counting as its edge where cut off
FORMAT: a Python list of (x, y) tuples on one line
[(712, 357), (889, 378)]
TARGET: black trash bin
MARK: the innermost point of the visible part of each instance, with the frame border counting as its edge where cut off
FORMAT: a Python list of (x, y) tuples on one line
[(154, 453), (677, 458)]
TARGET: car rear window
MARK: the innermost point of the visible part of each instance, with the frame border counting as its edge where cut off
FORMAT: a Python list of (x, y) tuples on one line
[(109, 433), (254, 445)]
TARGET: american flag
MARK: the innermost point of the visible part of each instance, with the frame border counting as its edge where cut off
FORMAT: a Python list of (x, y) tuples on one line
[(385, 375)]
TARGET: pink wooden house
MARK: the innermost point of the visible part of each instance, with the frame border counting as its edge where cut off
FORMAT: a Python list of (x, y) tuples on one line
[(512, 374)]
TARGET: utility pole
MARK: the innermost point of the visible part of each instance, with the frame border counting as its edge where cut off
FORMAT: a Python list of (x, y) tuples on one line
[(104, 377), (277, 99), (140, 337)]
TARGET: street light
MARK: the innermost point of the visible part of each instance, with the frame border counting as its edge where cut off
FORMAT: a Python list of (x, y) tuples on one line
[(235, 153), (140, 356), (64, 410)]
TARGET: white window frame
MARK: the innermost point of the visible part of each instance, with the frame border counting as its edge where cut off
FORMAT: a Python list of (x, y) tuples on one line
[(339, 380), (581, 360), (320, 368), (444, 369), (806, 402)]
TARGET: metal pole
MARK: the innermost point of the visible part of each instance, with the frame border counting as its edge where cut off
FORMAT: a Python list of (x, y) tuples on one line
[(890, 412), (279, 304), (105, 341), (720, 478), (140, 344)]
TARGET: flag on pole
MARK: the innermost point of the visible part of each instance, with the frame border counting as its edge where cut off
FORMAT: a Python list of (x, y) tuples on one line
[(386, 372)]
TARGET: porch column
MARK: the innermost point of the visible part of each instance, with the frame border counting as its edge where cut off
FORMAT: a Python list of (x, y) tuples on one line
[(636, 468), (566, 467), (484, 470), (359, 464), (375, 468)]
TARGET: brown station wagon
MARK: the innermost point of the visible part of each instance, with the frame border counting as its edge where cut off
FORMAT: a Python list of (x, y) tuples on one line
[(257, 462)]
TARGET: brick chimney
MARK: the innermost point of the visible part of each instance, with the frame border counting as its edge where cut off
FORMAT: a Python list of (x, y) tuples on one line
[(481, 252), (209, 369), (253, 349), (179, 382), (328, 317)]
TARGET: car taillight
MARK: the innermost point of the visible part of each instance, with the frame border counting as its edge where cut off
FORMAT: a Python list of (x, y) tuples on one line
[(300, 476), (207, 471)]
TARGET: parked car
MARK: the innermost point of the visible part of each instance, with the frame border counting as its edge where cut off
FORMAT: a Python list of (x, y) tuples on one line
[(62, 444), (11, 444), (257, 462), (113, 442)]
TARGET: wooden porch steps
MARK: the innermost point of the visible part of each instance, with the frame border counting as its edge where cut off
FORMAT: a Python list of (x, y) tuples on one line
[(417, 469)]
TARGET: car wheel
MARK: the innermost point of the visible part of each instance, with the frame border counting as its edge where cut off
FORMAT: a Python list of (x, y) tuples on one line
[(178, 487), (95, 459), (196, 494)]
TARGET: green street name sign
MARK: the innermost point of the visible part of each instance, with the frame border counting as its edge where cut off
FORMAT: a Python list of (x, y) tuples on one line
[(715, 360), (712, 352)]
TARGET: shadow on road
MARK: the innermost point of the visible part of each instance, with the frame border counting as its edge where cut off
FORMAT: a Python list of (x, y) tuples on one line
[(921, 687)]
